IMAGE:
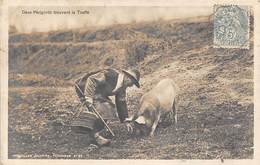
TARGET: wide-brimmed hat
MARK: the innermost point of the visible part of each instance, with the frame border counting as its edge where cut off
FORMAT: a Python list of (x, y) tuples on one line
[(134, 75)]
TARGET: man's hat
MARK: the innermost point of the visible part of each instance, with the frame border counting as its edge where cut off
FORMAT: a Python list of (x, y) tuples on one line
[(134, 75)]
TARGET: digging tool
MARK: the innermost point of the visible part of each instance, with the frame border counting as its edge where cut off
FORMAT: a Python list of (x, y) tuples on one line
[(79, 109), (96, 112)]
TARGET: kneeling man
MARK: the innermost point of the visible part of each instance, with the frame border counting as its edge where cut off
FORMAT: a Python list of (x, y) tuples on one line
[(94, 89)]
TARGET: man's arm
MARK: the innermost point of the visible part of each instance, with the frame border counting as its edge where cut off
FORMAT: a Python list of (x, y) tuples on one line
[(93, 82), (121, 105), (99, 77), (80, 83)]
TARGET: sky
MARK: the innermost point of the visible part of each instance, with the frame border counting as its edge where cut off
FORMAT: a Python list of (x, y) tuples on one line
[(27, 19)]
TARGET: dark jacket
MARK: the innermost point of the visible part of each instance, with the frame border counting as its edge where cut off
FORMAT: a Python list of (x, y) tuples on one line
[(102, 84)]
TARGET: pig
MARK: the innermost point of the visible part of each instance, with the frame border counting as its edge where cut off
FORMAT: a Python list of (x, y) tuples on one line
[(155, 105)]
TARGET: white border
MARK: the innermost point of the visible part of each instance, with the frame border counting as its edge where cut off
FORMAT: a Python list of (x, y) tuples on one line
[(4, 73)]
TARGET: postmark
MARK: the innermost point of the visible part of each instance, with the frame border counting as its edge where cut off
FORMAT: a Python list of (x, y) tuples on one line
[(231, 26)]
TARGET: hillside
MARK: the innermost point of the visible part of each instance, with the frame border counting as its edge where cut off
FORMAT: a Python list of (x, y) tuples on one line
[(215, 104), (67, 54)]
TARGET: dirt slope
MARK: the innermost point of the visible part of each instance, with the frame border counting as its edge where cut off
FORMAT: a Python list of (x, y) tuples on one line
[(215, 102), (116, 46)]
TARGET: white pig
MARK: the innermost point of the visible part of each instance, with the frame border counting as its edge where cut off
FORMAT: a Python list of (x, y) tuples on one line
[(155, 105)]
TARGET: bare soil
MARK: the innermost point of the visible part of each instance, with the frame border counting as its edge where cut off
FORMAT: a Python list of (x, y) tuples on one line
[(215, 102)]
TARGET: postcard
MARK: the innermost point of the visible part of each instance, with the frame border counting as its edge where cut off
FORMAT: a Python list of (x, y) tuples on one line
[(129, 82)]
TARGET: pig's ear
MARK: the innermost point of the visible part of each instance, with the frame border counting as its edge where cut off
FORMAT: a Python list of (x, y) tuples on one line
[(140, 120)]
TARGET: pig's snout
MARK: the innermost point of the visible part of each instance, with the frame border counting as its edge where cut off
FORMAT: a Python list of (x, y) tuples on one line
[(141, 129)]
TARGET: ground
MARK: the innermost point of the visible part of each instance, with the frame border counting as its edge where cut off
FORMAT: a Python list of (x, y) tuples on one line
[(215, 105)]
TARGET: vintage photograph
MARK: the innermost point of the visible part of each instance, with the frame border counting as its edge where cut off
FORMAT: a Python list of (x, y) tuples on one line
[(131, 82)]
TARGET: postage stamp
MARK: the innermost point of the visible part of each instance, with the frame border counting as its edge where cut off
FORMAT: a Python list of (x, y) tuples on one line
[(231, 26), (128, 82)]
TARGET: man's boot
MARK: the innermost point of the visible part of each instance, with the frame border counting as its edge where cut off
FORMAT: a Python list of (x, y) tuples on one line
[(101, 141)]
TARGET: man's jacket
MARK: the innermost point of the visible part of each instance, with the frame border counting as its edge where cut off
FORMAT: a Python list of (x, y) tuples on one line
[(101, 84)]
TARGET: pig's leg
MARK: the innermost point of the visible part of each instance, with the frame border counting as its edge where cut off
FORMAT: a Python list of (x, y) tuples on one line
[(156, 121), (174, 114), (170, 117)]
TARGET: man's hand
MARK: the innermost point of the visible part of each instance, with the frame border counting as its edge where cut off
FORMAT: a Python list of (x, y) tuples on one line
[(89, 100), (129, 127)]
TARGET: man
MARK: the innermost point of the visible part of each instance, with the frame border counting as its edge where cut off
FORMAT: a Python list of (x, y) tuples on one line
[(94, 89)]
